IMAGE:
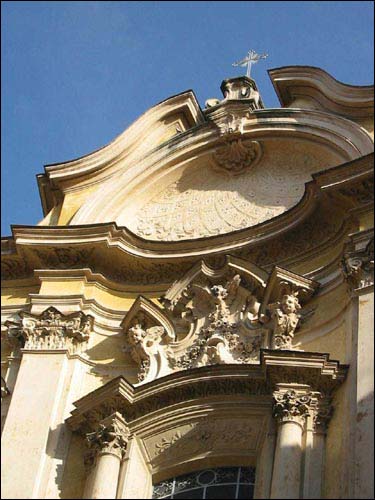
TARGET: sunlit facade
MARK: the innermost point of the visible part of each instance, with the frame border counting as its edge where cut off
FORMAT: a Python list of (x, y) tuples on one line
[(193, 317)]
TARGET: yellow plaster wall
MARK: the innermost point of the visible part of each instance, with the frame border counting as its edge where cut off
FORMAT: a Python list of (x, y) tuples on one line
[(333, 343), (17, 295), (109, 298), (366, 221), (72, 202)]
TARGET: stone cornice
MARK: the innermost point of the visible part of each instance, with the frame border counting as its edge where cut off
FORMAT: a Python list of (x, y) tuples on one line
[(313, 369), (328, 182), (123, 146), (317, 87)]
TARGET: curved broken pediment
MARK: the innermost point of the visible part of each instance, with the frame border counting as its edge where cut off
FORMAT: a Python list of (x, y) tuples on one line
[(219, 316), (216, 183), (310, 87)]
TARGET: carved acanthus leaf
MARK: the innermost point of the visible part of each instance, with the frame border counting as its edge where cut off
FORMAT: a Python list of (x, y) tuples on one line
[(289, 405), (322, 411), (358, 267), (51, 329), (111, 436)]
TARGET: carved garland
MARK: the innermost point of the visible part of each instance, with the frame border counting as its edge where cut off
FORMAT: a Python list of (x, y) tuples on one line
[(220, 317)]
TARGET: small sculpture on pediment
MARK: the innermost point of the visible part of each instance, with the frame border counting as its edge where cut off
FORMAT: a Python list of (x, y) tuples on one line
[(145, 343), (285, 317)]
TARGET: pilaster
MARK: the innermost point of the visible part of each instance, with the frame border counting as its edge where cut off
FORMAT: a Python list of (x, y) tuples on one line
[(358, 268), (36, 411)]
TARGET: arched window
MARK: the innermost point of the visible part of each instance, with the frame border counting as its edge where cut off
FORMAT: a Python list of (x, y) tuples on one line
[(223, 482)]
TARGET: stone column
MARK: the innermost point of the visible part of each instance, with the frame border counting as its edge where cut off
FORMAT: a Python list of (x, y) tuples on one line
[(107, 447), (291, 407)]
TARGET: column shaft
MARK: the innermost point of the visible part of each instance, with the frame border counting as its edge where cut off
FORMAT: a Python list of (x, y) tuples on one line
[(287, 464), (105, 476)]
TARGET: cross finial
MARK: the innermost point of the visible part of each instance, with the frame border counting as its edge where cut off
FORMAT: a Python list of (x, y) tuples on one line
[(251, 58)]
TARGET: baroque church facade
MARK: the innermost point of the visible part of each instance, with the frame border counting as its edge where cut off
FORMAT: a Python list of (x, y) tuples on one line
[(193, 317)]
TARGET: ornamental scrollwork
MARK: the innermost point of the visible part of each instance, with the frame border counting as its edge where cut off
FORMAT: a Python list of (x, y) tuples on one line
[(148, 333), (213, 316), (236, 155), (51, 330), (143, 343), (358, 267), (291, 406), (220, 333)]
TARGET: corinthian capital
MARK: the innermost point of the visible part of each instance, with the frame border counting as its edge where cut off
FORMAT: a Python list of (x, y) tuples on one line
[(110, 437), (358, 262), (51, 330), (321, 412), (291, 405)]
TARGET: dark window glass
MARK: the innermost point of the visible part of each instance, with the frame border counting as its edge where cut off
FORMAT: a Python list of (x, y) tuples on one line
[(222, 482), (196, 493), (226, 475), (247, 475), (246, 491), (222, 491)]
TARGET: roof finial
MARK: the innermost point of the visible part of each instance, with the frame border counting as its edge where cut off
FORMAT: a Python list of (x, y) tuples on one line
[(251, 58)]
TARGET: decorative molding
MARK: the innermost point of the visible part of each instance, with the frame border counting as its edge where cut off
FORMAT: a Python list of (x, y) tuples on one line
[(64, 257), (236, 156), (148, 331), (185, 389), (360, 193), (132, 259), (202, 435), (317, 88), (15, 268), (51, 330)]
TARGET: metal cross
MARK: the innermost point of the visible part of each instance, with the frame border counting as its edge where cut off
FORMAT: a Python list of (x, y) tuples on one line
[(251, 58)]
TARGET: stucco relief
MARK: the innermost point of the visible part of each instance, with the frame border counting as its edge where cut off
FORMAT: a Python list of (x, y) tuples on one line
[(220, 316), (358, 266), (51, 330), (215, 434), (230, 190)]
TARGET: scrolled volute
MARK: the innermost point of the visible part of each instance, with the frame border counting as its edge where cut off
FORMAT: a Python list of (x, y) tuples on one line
[(291, 406), (51, 330)]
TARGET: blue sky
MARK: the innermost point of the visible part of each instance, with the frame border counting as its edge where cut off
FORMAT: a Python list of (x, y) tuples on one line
[(76, 74)]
